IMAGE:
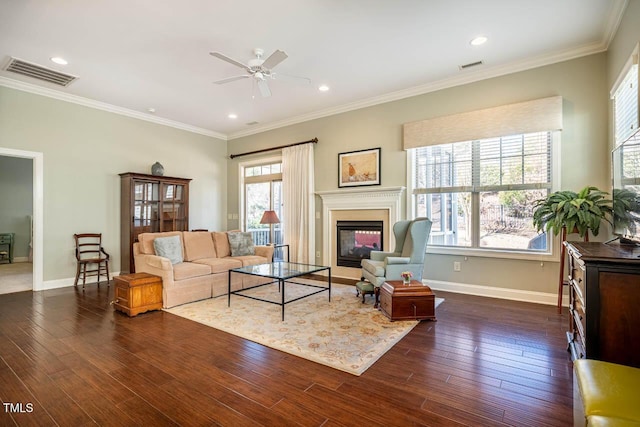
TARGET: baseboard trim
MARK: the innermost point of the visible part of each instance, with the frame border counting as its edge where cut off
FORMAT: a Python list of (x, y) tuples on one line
[(494, 292), (68, 282), (436, 285), (21, 259)]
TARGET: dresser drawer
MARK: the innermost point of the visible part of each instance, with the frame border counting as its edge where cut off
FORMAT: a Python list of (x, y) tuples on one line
[(580, 323), (577, 277)]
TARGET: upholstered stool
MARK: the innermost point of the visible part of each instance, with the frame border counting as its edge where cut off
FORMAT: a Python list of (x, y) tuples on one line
[(608, 394), (364, 288)]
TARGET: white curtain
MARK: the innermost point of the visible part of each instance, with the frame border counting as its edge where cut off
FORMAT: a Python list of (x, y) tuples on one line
[(299, 202)]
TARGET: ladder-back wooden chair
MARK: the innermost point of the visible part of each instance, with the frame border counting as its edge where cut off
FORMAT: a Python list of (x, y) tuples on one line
[(89, 252)]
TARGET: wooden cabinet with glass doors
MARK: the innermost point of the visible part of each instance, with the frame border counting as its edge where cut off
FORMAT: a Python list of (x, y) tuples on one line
[(150, 204)]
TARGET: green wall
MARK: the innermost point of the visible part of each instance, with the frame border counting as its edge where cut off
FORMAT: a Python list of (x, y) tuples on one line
[(84, 150), (584, 154), (16, 201)]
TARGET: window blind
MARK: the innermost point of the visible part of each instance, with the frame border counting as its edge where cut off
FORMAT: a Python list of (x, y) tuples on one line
[(625, 105), (524, 117), (515, 162)]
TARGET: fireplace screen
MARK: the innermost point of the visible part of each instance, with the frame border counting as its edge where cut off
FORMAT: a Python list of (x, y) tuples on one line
[(356, 240)]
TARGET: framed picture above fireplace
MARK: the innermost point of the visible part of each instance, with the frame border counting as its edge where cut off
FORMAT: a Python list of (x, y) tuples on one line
[(357, 168)]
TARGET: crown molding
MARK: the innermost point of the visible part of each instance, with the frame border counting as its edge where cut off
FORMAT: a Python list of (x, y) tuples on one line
[(75, 99), (613, 23), (469, 76), (466, 78)]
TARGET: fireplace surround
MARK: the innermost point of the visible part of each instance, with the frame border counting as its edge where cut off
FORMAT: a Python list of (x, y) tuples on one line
[(357, 204)]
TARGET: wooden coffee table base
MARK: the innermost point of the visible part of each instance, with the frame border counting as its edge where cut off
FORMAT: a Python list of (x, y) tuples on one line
[(413, 301)]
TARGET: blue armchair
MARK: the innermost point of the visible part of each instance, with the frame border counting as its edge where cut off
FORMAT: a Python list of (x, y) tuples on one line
[(409, 254)]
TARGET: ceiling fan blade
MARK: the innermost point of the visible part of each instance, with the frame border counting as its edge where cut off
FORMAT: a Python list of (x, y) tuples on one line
[(274, 59), (229, 60), (264, 88), (231, 79), (280, 76)]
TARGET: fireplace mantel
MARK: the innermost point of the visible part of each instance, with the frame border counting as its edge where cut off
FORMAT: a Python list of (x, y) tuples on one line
[(387, 198)]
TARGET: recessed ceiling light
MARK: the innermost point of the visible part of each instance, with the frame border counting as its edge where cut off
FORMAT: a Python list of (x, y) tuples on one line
[(151, 110), (232, 116), (479, 40), (58, 60), (323, 88)]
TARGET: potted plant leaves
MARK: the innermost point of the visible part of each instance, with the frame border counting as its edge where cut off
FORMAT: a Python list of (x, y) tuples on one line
[(571, 212), (575, 212)]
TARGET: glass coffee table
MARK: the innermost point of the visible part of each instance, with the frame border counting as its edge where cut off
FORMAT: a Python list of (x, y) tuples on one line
[(281, 273)]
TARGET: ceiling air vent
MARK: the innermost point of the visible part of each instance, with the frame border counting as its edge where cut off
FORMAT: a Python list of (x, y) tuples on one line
[(469, 65), (252, 123), (39, 72)]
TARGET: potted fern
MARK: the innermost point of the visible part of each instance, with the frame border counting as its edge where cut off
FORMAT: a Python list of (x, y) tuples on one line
[(571, 212), (574, 212)]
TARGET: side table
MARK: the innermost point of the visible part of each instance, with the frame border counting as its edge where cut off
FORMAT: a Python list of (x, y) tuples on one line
[(412, 301), (137, 293), (279, 246)]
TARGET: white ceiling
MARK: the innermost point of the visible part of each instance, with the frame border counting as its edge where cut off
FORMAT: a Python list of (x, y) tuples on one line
[(132, 55)]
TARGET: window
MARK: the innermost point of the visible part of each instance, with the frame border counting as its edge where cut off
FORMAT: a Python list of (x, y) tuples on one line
[(480, 194), (262, 191), (625, 100)]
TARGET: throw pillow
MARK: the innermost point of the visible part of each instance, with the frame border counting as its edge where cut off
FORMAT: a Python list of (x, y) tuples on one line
[(241, 243), (169, 247)]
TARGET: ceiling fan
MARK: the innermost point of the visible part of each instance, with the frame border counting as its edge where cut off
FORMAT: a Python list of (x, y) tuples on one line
[(260, 69)]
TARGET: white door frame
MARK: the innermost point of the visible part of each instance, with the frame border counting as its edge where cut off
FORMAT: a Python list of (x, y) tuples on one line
[(38, 210)]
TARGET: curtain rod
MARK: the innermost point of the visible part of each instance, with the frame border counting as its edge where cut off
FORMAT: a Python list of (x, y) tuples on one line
[(233, 156)]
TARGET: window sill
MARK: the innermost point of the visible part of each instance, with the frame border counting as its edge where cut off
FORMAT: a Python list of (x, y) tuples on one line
[(494, 253)]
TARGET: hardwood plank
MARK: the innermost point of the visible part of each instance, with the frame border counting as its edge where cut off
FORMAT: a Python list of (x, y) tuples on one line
[(90, 399), (484, 362), (143, 413), (14, 391)]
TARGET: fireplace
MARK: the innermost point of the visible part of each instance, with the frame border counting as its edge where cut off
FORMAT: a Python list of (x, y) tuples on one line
[(356, 240)]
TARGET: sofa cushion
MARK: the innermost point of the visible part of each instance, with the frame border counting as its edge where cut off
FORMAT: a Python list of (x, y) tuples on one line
[(241, 243), (146, 240), (198, 245), (220, 265), (187, 270), (169, 247), (251, 259), (221, 242)]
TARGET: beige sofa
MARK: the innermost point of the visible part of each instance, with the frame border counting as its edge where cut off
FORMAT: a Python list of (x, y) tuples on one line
[(205, 270)]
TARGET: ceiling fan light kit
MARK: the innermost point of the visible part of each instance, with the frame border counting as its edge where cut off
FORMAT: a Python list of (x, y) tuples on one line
[(257, 68)]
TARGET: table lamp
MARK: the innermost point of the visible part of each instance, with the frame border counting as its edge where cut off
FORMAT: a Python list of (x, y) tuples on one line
[(270, 217)]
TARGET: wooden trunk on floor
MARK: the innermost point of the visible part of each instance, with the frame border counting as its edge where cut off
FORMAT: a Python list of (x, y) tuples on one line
[(413, 301), (137, 292)]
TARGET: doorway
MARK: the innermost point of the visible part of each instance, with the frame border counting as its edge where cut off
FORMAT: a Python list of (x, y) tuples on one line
[(21, 221)]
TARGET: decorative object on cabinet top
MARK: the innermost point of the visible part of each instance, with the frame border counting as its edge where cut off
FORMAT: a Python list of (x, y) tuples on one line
[(157, 169)]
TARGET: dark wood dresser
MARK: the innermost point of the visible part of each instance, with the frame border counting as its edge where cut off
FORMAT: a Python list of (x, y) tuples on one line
[(604, 302)]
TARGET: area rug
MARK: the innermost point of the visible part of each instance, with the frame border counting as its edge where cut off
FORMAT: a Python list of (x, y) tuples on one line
[(343, 334)]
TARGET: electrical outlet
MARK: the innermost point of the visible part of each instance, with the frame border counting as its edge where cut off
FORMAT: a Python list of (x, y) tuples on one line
[(229, 216), (456, 266), (318, 254)]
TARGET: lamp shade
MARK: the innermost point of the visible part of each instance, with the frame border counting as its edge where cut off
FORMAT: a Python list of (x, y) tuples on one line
[(269, 217)]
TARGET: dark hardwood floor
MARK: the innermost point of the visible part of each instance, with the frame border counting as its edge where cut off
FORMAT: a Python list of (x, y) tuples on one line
[(485, 362)]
